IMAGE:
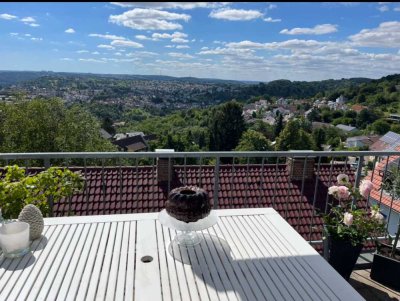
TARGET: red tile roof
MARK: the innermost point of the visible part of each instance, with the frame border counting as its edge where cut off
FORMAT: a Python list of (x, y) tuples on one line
[(377, 177), (136, 190), (358, 108)]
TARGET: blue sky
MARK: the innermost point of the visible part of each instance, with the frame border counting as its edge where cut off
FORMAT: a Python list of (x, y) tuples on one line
[(241, 41)]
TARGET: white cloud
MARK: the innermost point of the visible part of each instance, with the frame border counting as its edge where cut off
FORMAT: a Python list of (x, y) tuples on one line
[(33, 24), (270, 20), (316, 30), (179, 40), (383, 8), (114, 60), (175, 35), (149, 19), (387, 35), (171, 5), (82, 51), (27, 35), (66, 59), (37, 39), (272, 6), (204, 48), (182, 46), (106, 36), (70, 30), (236, 14), (180, 55), (109, 47), (142, 37), (169, 46), (247, 45), (7, 17), (396, 8), (14, 34), (95, 52), (142, 54), (28, 20), (118, 53), (126, 43), (91, 60)]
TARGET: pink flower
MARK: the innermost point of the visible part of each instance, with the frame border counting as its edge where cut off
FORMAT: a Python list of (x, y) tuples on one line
[(343, 193), (348, 219), (342, 179), (365, 188)]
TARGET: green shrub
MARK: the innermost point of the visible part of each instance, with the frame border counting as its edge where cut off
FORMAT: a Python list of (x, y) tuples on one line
[(18, 189)]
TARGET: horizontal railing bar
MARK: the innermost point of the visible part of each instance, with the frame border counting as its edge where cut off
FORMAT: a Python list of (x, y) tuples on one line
[(258, 154), (381, 238)]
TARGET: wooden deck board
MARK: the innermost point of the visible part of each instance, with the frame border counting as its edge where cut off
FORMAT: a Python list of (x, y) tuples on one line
[(370, 289)]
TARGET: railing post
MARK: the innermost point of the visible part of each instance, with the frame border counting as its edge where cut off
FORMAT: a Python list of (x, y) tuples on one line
[(216, 183), (326, 248), (46, 162), (359, 171)]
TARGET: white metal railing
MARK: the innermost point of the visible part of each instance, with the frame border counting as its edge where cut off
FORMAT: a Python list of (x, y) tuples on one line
[(216, 160)]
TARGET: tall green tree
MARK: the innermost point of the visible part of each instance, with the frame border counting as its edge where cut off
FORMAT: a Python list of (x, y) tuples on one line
[(226, 126), (294, 137), (278, 124), (48, 126), (107, 125), (319, 137)]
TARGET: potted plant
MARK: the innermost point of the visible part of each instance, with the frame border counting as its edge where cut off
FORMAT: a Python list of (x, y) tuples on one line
[(347, 227), (18, 189), (386, 263)]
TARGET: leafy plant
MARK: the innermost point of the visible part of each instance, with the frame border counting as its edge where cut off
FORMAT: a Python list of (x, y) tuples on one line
[(18, 189), (346, 221)]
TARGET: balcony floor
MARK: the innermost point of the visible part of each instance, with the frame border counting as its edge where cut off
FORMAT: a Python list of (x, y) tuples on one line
[(370, 289)]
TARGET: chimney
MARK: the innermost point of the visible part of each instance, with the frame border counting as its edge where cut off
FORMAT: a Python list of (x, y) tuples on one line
[(295, 166), (164, 166)]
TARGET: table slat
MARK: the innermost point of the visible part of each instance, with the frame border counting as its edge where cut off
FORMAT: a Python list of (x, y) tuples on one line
[(147, 279)]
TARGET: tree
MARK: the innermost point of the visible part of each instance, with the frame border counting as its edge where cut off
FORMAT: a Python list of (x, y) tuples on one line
[(278, 124), (364, 118), (263, 128), (350, 114), (380, 127), (226, 126), (293, 137), (360, 98), (326, 116), (395, 128), (253, 141), (314, 116), (319, 137), (107, 125), (48, 126)]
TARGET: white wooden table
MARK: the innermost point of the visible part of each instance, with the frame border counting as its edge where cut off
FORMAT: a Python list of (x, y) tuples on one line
[(251, 254)]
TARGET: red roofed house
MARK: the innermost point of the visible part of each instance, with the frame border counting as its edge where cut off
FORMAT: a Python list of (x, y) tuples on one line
[(389, 205), (358, 108)]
